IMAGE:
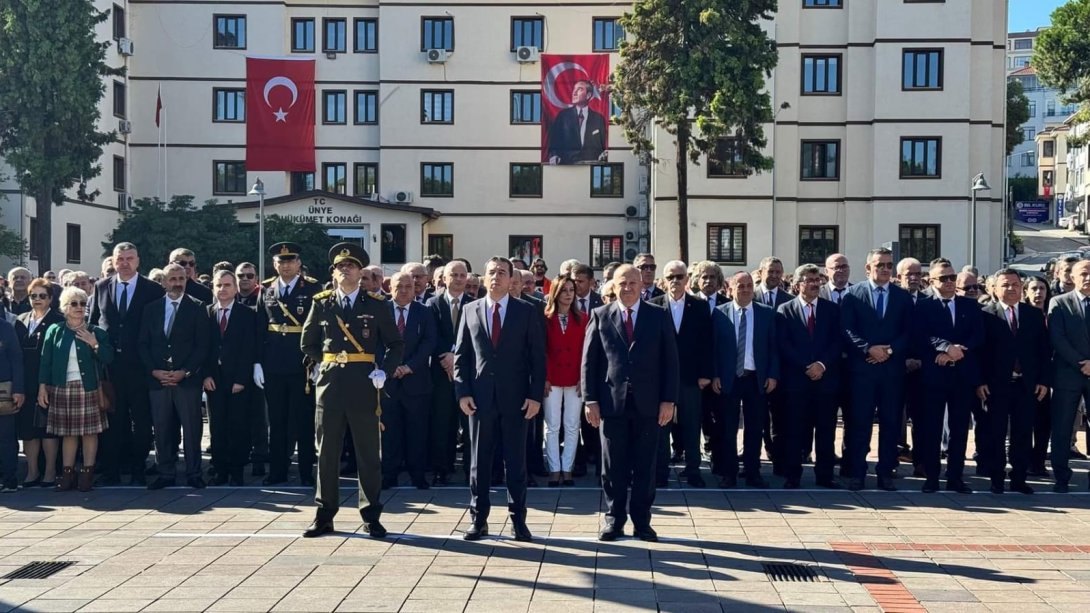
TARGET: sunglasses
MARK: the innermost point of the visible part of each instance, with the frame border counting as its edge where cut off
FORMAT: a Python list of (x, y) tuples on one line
[(972, 288), (946, 278), (39, 296), (675, 277), (186, 263), (79, 303), (886, 265), (246, 275), (647, 267)]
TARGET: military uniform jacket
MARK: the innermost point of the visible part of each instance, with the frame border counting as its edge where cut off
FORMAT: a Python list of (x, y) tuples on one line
[(278, 352)]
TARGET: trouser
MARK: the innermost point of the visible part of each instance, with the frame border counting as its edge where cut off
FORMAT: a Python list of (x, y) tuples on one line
[(589, 448), (257, 419), (332, 416), (443, 423), (9, 446), (913, 406), (535, 444), (1010, 404), (746, 398), (954, 397), (686, 428), (291, 423), (1042, 430), (804, 406), (562, 410), (228, 427), (629, 442), (505, 428), (405, 439), (773, 432), (128, 440), (171, 406), (876, 388), (1065, 405), (980, 436)]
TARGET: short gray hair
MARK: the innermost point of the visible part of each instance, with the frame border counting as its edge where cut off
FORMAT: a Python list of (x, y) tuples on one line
[(124, 246), (806, 269), (173, 266), (68, 293)]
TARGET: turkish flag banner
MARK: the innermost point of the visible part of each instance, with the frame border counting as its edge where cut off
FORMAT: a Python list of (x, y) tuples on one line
[(279, 114), (574, 108)]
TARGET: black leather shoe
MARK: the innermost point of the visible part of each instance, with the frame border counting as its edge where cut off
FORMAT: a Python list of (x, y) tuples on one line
[(1021, 488), (236, 480), (421, 484), (886, 484), (855, 485), (757, 482), (610, 533), (1061, 488), (195, 482), (831, 484), (918, 472), (958, 486), (138, 479), (696, 481), (439, 480), (318, 528), (375, 529), (997, 488), (160, 483), (476, 532), (930, 487), (220, 479), (520, 531), (728, 482), (274, 479), (791, 484), (646, 533), (258, 469), (531, 482)]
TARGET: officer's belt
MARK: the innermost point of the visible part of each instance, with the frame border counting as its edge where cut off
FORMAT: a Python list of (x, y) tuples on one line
[(285, 329), (344, 357)]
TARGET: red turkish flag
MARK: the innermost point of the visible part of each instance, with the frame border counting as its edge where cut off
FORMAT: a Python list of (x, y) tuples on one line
[(279, 114)]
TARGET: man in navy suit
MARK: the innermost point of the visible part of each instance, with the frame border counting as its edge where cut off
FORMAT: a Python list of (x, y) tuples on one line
[(405, 416), (1069, 330), (117, 306), (747, 370), (586, 300), (578, 134), (645, 263), (771, 292), (447, 308), (949, 333), (630, 387), (877, 321), (499, 377), (809, 336)]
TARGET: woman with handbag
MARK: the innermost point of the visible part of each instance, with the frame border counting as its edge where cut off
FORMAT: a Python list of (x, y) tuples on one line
[(70, 386), (565, 328), (31, 327), (11, 399)]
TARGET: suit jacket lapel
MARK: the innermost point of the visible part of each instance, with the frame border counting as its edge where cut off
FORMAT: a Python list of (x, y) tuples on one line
[(618, 320)]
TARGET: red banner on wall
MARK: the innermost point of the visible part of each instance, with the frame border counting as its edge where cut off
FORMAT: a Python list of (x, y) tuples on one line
[(279, 114), (574, 109)]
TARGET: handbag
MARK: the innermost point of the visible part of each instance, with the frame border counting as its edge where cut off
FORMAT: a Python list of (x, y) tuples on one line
[(105, 391), (7, 404)]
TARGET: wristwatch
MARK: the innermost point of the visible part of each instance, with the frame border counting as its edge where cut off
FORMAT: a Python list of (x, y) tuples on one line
[(187, 373), (889, 350)]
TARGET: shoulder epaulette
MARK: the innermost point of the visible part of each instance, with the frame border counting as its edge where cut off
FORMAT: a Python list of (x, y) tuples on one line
[(310, 279), (376, 295), (268, 281), (323, 294)]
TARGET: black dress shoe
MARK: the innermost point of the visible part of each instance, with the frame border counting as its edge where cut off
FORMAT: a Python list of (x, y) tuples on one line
[(918, 472), (439, 480), (930, 487), (1061, 488), (520, 531), (236, 480), (138, 479), (375, 529), (318, 528), (531, 482), (568, 483), (274, 479), (831, 484), (160, 483), (610, 533), (696, 481), (997, 488), (220, 479), (258, 469), (195, 482), (855, 485), (35, 483), (646, 533), (958, 486), (476, 532), (886, 484), (728, 482), (421, 484), (791, 484), (1021, 488), (757, 482)]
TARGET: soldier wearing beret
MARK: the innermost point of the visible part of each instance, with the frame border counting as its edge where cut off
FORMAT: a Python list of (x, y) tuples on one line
[(347, 327)]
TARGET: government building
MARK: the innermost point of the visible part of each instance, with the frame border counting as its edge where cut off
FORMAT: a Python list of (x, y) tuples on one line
[(428, 133)]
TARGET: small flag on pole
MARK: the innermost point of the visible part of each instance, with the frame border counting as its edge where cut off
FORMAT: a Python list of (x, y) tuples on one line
[(158, 105)]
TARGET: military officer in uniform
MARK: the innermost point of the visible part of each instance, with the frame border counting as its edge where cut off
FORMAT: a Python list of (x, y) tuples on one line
[(346, 328), (284, 305)]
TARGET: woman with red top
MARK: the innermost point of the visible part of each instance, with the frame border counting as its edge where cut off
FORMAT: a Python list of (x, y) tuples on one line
[(564, 330)]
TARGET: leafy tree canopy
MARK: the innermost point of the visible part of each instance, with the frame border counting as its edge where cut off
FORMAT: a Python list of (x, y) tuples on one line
[(1061, 57), (1017, 113)]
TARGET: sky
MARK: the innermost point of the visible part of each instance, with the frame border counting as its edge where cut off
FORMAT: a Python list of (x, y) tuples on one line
[(1025, 15)]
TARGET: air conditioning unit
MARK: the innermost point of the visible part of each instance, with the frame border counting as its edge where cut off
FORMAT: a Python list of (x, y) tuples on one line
[(124, 126), (630, 236), (437, 56), (330, 55), (125, 46), (631, 211), (124, 201), (630, 253), (527, 55), (645, 184), (403, 197), (642, 205), (644, 228)]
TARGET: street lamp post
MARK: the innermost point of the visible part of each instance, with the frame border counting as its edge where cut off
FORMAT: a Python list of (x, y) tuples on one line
[(259, 190), (979, 185), (783, 106)]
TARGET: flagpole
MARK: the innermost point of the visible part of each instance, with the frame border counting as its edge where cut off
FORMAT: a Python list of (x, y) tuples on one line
[(166, 172), (158, 145)]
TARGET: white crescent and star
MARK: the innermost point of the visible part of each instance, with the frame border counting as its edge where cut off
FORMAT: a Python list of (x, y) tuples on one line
[(550, 83), (273, 83)]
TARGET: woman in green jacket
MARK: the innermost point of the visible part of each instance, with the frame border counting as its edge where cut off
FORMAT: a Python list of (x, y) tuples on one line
[(72, 354)]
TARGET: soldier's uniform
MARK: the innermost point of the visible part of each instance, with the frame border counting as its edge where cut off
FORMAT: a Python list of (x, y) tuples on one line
[(287, 393), (344, 340)]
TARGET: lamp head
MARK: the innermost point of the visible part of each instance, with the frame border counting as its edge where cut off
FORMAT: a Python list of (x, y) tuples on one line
[(258, 189), (980, 184)]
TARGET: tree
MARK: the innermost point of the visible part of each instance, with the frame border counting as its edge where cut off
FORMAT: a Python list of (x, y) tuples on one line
[(697, 68), (51, 70), (1061, 57), (12, 244), (1017, 113)]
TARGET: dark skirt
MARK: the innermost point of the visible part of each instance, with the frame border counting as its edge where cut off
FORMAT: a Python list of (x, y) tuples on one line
[(74, 411)]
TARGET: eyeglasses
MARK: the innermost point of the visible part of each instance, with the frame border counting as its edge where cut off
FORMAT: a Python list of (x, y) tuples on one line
[(79, 303), (947, 278), (647, 267), (186, 263), (972, 288), (886, 265), (246, 275), (841, 267), (675, 277), (39, 296)]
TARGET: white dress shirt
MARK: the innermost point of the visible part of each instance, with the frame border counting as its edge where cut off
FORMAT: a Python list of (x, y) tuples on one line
[(736, 314), (489, 305), (711, 301), (351, 297), (285, 288), (677, 310), (835, 295)]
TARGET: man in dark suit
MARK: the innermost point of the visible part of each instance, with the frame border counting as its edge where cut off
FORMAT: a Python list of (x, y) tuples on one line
[(186, 259), (630, 387), (645, 263), (877, 320), (228, 379), (838, 270), (118, 307), (173, 349), (499, 377), (692, 326), (809, 336), (910, 278), (747, 368), (771, 293), (1014, 373), (578, 134), (589, 447), (709, 285), (950, 334), (1069, 329), (446, 308), (405, 418), (249, 295), (422, 292)]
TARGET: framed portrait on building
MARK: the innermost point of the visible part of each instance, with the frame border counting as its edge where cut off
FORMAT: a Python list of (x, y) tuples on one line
[(574, 109), (393, 243), (524, 248)]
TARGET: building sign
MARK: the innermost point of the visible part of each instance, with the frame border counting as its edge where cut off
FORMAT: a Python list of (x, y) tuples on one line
[(574, 109), (1033, 211), (327, 213)]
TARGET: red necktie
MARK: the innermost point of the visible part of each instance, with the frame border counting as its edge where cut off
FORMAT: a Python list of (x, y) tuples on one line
[(223, 321), (401, 320), (496, 325), (811, 323), (629, 328)]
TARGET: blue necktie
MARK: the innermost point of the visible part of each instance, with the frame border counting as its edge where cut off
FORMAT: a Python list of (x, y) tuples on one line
[(880, 305)]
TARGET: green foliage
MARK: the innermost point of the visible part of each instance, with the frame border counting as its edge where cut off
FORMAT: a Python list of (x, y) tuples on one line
[(1061, 57), (1017, 113), (12, 244), (311, 236), (1023, 188), (51, 69)]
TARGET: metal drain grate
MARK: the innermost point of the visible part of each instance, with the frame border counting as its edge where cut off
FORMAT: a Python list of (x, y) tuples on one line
[(789, 572), (37, 570)]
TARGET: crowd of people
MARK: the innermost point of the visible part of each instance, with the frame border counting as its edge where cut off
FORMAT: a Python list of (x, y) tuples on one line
[(540, 379)]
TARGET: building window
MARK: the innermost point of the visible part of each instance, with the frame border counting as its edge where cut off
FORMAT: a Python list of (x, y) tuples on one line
[(366, 180), (1022, 44), (437, 33), (817, 243), (608, 33), (437, 106), (527, 32), (119, 99), (821, 4), (335, 177), (727, 160), (605, 249), (119, 173), (1032, 108), (366, 36), (334, 105), (442, 245), (921, 69), (229, 177), (526, 107), (393, 243), (302, 182), (525, 181), (366, 107), (33, 246), (72, 243), (336, 35), (1048, 149), (607, 181), (820, 160), (1029, 133), (920, 242), (821, 74), (1029, 158), (302, 35), (525, 248), (921, 158), (437, 179), (1050, 108), (230, 32), (118, 17), (727, 243), (229, 105)]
